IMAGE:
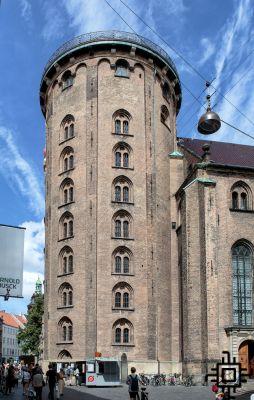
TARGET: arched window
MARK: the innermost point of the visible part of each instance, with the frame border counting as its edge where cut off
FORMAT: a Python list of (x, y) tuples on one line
[(67, 127), (65, 295), (123, 332), (118, 299), (67, 159), (164, 115), (121, 260), (241, 196), (118, 335), (67, 191), (122, 155), (122, 225), (122, 69), (122, 296), (126, 300), (121, 122), (242, 265), (166, 91), (126, 335), (66, 226), (65, 330), (64, 354), (122, 189), (117, 126), (66, 260), (67, 79)]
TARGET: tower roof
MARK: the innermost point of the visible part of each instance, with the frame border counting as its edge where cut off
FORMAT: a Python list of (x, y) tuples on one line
[(107, 39)]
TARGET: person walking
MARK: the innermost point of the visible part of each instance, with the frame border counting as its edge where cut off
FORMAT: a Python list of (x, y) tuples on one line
[(51, 381), (10, 378), (61, 382), (25, 376), (37, 382), (76, 374), (133, 382)]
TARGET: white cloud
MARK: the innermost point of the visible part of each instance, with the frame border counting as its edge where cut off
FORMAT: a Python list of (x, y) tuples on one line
[(54, 21), (18, 172), (29, 280), (34, 245), (26, 9), (207, 52)]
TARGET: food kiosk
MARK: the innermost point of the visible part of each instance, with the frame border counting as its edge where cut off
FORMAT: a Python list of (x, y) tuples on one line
[(102, 371)]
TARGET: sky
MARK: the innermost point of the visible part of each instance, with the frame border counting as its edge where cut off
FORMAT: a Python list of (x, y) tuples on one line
[(215, 38)]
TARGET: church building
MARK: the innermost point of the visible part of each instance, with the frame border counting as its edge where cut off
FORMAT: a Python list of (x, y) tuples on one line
[(149, 237)]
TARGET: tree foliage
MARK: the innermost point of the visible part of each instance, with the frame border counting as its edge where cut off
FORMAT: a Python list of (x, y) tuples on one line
[(29, 337)]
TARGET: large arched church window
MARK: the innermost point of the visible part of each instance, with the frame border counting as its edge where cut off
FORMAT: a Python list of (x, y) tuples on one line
[(242, 284)]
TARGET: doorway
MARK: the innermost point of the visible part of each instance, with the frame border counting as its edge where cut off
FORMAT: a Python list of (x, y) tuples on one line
[(124, 367), (246, 356)]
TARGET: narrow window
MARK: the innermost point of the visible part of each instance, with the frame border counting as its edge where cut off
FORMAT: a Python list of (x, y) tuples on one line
[(70, 298), (71, 194), (118, 228), (126, 300), (126, 194), (118, 157), (243, 201), (126, 229), (70, 263), (65, 265), (125, 127), (64, 299), (126, 335), (70, 332), (66, 132), (65, 196), (117, 193), (118, 300), (71, 159), (66, 164), (235, 200), (121, 70), (64, 333), (126, 265), (118, 126), (118, 335), (126, 160), (118, 262), (65, 229), (71, 228), (71, 130)]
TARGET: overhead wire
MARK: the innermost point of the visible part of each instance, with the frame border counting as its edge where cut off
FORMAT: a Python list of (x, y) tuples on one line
[(183, 58)]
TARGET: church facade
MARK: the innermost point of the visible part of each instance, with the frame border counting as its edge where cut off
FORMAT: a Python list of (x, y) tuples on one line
[(148, 254)]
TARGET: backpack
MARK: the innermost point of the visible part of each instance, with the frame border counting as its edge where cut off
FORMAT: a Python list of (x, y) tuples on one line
[(134, 383)]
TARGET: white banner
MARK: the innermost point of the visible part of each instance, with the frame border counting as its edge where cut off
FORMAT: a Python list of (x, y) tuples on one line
[(11, 260)]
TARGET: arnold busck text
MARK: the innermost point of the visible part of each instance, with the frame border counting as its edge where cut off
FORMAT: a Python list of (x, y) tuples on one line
[(9, 283)]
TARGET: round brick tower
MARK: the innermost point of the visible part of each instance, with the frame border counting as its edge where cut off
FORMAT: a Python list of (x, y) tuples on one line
[(110, 100)]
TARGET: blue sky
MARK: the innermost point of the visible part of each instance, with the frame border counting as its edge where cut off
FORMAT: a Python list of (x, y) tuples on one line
[(217, 38)]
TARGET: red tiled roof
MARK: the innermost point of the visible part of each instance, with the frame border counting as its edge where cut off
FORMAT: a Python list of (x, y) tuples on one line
[(14, 321), (221, 152)]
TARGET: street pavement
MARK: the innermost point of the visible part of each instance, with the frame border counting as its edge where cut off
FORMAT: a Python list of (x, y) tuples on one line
[(121, 393)]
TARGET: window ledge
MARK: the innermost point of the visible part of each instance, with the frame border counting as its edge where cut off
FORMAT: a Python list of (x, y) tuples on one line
[(121, 273), (68, 237), (130, 168), (121, 238), (66, 140), (68, 273), (121, 202), (64, 307), (66, 204), (123, 344), (122, 76), (241, 211), (122, 134), (123, 309), (66, 342), (67, 87), (65, 172)]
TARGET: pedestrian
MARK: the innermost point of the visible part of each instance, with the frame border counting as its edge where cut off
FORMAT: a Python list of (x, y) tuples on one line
[(10, 379), (37, 382), (133, 382), (51, 380), (61, 382), (26, 377), (76, 374)]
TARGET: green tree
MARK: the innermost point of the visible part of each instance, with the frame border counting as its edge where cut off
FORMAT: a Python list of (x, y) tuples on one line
[(29, 337)]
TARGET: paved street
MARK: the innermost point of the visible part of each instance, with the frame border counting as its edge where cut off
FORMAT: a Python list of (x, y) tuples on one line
[(121, 393)]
